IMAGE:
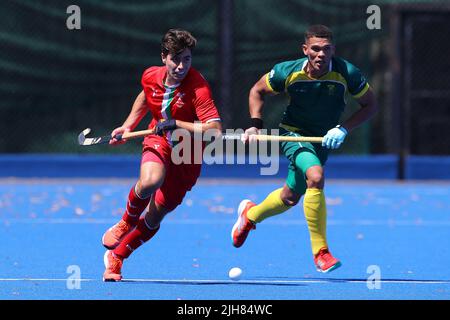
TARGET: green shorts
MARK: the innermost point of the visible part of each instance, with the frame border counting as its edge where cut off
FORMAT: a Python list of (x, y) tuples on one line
[(302, 156)]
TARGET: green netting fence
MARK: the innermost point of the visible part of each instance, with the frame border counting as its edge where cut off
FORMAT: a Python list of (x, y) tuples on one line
[(56, 81)]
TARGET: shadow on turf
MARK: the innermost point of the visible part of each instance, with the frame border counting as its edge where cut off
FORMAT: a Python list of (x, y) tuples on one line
[(214, 282)]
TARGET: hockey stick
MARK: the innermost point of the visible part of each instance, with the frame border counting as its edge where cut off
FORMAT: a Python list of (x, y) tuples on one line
[(266, 137), (83, 140)]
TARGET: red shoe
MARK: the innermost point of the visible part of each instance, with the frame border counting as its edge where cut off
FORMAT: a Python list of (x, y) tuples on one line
[(325, 262), (113, 265), (112, 237), (242, 226)]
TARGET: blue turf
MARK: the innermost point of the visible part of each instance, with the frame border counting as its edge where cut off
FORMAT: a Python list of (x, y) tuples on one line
[(46, 226)]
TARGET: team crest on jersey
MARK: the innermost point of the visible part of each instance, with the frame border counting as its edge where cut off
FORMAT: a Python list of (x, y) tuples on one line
[(179, 102)]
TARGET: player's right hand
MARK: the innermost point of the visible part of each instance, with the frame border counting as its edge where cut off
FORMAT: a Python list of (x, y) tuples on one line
[(118, 131), (334, 137), (250, 135)]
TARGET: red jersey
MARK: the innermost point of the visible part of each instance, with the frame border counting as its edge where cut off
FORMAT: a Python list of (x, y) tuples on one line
[(189, 101)]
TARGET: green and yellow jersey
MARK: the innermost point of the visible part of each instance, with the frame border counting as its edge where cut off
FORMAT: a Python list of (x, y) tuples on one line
[(315, 105)]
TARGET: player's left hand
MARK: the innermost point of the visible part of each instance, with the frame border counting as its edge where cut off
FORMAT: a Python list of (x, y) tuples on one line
[(166, 125), (334, 137), (116, 132)]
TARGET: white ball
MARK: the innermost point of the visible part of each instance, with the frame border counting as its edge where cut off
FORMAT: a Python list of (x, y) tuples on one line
[(235, 273)]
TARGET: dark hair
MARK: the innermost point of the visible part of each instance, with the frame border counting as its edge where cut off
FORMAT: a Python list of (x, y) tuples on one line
[(176, 40), (319, 31)]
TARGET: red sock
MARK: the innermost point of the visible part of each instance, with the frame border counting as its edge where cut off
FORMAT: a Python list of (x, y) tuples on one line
[(135, 239), (135, 206)]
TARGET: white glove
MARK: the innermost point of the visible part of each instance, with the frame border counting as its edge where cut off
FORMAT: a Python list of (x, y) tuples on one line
[(334, 137), (250, 135)]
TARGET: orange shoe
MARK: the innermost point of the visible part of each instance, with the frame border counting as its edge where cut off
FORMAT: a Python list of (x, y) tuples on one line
[(115, 234), (242, 226), (325, 262), (113, 265)]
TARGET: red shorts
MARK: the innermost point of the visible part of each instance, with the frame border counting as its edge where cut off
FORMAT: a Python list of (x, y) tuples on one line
[(179, 179)]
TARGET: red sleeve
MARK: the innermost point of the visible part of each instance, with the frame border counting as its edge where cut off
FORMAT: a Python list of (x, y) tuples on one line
[(205, 107), (147, 75)]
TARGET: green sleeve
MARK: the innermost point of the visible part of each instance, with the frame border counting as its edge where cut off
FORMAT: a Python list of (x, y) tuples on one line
[(276, 78), (356, 82)]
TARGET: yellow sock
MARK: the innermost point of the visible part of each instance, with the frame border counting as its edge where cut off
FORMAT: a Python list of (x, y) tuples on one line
[(271, 206), (316, 216)]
